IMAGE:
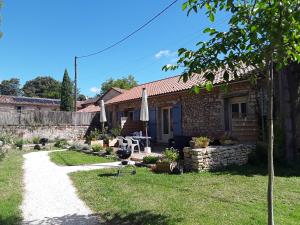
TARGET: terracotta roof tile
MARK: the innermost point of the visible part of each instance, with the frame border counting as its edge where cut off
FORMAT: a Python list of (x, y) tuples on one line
[(90, 108), (171, 84)]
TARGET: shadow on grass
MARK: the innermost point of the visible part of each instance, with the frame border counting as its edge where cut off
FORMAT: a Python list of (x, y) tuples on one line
[(11, 220), (108, 174), (137, 218), (251, 170)]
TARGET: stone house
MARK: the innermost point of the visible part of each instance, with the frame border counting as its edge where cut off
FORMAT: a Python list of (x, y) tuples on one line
[(93, 104), (15, 103), (174, 110)]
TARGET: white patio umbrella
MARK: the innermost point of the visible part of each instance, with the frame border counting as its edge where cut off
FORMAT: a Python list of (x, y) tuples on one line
[(144, 116), (102, 114)]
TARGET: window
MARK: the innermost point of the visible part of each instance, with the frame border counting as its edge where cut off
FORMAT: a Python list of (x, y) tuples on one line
[(19, 108), (239, 110)]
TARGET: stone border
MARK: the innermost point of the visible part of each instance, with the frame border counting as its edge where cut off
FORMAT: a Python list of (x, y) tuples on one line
[(213, 157)]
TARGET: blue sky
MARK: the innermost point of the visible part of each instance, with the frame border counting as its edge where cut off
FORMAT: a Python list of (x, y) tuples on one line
[(42, 38)]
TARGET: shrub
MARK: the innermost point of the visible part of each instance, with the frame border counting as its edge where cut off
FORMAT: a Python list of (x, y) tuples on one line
[(61, 143), (7, 137), (150, 159), (170, 155), (96, 147), (37, 147), (19, 143), (259, 155), (36, 140), (109, 150), (201, 142), (95, 134), (116, 131)]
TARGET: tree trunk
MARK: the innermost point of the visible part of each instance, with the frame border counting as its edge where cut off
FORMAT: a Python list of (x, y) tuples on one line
[(270, 146)]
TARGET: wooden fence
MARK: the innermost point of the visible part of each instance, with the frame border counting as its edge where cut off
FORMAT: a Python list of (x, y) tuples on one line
[(47, 118)]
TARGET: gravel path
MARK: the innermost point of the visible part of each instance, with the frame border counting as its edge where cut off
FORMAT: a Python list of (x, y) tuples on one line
[(50, 198)]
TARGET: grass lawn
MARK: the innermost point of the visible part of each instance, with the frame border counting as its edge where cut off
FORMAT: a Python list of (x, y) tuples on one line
[(237, 196), (73, 158), (11, 188)]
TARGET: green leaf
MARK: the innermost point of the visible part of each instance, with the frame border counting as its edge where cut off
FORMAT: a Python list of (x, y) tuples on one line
[(196, 89), (211, 17), (253, 28), (184, 6), (208, 85)]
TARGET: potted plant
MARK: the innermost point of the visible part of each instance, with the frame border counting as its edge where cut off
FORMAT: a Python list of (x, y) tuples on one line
[(168, 161), (201, 142)]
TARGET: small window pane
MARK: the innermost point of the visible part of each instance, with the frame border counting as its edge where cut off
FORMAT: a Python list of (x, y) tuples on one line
[(235, 110), (244, 109)]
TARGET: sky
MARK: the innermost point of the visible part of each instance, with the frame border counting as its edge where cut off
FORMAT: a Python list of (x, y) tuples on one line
[(41, 38)]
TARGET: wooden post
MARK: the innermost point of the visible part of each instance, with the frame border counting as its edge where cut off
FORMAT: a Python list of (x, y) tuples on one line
[(75, 84), (270, 145)]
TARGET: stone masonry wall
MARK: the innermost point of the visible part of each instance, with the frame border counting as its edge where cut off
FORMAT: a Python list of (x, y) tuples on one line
[(213, 157), (50, 132)]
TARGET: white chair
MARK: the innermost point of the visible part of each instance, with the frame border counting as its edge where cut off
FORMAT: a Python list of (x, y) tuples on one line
[(122, 142), (132, 143)]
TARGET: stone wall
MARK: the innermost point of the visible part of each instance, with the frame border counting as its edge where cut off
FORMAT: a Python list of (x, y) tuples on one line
[(50, 132), (213, 157)]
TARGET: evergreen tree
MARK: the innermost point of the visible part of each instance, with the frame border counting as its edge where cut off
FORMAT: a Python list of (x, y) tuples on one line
[(66, 103)]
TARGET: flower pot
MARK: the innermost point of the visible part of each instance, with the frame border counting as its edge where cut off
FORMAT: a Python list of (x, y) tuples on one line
[(113, 142), (165, 167), (100, 142)]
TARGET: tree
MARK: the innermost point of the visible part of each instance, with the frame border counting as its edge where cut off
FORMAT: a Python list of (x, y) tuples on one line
[(262, 33), (66, 102), (81, 97), (10, 87), (124, 83), (43, 87)]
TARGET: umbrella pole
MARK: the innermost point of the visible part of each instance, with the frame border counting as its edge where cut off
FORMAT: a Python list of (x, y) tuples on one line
[(102, 127), (146, 134)]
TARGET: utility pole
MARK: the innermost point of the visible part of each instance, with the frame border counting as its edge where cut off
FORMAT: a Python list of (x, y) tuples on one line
[(75, 84)]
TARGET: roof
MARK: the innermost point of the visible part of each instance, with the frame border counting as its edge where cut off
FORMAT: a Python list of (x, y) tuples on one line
[(90, 108), (90, 101), (7, 99), (174, 84), (119, 89)]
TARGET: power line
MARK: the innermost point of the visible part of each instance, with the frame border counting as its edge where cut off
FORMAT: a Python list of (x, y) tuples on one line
[(129, 35)]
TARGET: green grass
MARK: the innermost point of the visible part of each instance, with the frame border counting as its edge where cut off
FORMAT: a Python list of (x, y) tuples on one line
[(11, 188), (237, 196), (73, 158)]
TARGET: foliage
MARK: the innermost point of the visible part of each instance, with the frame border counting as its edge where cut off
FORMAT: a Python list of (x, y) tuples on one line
[(201, 142), (124, 83), (170, 155), (97, 147), (77, 146), (81, 97), (150, 159), (10, 87), (61, 143), (36, 140), (229, 197), (258, 32), (116, 131), (72, 158), (7, 137), (259, 155), (37, 147), (66, 94), (19, 143), (109, 150), (42, 87), (95, 134)]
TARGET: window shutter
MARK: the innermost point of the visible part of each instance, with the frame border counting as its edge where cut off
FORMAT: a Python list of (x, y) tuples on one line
[(152, 123), (177, 125), (136, 115)]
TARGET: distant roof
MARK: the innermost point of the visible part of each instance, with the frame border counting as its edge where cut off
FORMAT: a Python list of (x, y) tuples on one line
[(119, 89), (173, 84), (90, 101), (28, 101), (90, 108)]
